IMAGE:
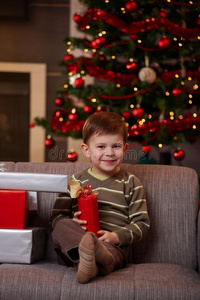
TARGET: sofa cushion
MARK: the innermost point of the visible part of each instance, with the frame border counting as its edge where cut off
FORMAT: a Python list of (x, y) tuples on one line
[(139, 282), (46, 281), (41, 281)]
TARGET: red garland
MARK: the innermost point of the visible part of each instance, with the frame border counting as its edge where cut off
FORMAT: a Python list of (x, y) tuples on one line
[(182, 3), (167, 76), (152, 127), (139, 26), (126, 96), (109, 75)]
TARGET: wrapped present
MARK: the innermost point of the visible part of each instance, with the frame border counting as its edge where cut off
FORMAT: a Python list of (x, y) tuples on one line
[(32, 201), (87, 204), (54, 183), (13, 209), (22, 246)]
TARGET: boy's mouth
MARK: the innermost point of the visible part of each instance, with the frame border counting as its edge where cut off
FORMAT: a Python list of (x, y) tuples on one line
[(109, 161)]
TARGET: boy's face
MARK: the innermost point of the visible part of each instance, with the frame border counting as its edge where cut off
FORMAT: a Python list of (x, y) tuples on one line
[(106, 152)]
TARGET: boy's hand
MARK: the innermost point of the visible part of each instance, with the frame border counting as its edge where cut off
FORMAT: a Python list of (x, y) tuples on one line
[(81, 222), (109, 237)]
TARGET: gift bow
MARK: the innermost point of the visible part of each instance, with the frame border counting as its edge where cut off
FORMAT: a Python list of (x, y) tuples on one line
[(76, 189)]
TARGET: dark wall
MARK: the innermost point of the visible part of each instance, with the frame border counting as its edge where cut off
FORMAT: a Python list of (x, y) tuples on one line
[(35, 34)]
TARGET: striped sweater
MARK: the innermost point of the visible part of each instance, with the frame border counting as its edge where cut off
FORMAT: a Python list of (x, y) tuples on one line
[(121, 204)]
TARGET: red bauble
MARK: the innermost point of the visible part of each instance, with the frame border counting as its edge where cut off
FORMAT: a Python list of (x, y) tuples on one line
[(164, 43), (72, 156), (68, 57), (131, 66), (162, 14), (176, 92), (79, 83), (126, 115), (146, 149), (73, 116), (59, 101), (138, 113), (49, 142), (179, 155), (77, 18), (98, 42), (73, 67), (88, 109), (131, 6), (31, 125)]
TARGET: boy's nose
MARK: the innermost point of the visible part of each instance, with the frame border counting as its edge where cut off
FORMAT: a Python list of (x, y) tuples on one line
[(109, 151)]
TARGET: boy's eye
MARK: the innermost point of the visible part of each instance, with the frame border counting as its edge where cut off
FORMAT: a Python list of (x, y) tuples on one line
[(100, 146), (119, 145)]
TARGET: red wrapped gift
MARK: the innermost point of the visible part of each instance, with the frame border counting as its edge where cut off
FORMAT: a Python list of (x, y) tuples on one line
[(13, 209), (87, 204)]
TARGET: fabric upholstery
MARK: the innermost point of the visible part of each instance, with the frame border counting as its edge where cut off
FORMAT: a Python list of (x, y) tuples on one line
[(162, 267), (39, 281), (172, 236)]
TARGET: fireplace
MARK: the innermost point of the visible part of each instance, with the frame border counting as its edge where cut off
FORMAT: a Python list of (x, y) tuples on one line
[(22, 98)]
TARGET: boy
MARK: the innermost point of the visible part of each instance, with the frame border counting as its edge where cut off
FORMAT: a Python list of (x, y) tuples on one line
[(122, 206)]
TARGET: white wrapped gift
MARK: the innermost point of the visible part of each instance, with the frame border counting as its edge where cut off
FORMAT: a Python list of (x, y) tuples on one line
[(55, 183), (22, 246)]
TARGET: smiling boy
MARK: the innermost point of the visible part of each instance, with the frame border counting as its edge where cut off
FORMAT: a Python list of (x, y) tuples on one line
[(122, 205)]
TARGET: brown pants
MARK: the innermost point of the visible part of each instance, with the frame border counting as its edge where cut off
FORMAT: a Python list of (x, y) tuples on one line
[(67, 235)]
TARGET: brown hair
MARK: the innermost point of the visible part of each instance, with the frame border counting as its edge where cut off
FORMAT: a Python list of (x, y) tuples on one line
[(104, 122)]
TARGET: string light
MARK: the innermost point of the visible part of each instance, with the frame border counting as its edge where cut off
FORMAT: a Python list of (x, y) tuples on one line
[(131, 105), (167, 93), (118, 85), (73, 111), (65, 86), (160, 145), (93, 100), (195, 87)]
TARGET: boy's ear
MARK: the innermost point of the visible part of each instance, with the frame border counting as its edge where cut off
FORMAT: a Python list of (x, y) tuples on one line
[(85, 150), (126, 147)]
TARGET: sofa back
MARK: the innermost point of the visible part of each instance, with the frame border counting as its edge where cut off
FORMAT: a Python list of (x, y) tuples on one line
[(172, 198)]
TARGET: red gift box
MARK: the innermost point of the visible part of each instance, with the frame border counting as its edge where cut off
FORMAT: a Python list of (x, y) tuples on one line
[(13, 209), (87, 204)]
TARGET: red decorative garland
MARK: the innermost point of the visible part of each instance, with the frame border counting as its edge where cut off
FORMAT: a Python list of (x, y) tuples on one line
[(126, 96), (109, 75), (182, 3), (139, 26), (154, 126)]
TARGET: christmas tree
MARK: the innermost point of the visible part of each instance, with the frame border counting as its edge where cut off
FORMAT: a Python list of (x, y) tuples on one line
[(144, 57)]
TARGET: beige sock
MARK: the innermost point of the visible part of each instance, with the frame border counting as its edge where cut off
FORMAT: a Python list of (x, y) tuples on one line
[(87, 268), (103, 257)]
